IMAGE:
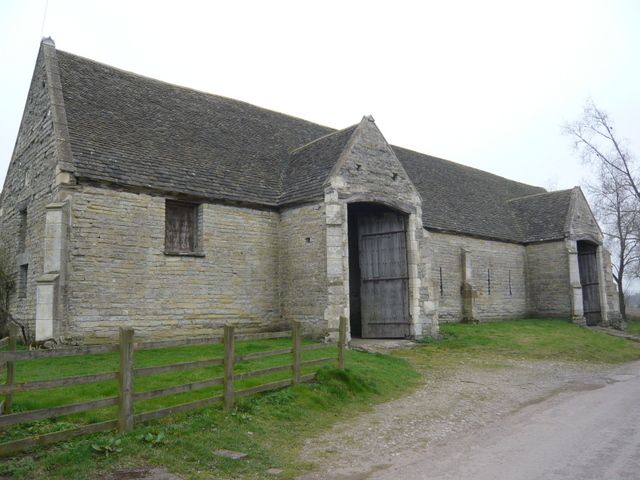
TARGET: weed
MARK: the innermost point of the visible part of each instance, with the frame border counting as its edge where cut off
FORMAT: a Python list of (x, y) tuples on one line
[(107, 447), (154, 439)]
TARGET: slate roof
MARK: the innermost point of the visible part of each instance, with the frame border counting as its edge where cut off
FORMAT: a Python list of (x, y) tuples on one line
[(132, 130)]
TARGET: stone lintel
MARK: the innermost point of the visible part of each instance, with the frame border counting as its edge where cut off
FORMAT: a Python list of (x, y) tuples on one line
[(55, 206)]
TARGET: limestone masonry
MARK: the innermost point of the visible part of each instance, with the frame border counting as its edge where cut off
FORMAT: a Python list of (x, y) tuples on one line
[(129, 201)]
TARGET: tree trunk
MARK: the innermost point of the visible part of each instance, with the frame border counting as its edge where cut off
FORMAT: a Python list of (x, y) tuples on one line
[(621, 302)]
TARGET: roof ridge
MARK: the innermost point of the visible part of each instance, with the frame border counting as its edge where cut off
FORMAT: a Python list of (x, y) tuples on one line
[(185, 88), (524, 197)]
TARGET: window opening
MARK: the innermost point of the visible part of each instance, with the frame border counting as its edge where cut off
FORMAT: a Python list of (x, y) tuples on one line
[(22, 231), (181, 227), (22, 281)]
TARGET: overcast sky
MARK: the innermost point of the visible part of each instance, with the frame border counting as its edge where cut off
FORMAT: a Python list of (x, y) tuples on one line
[(487, 84)]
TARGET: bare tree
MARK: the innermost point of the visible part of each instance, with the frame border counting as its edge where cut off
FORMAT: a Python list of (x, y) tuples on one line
[(614, 191)]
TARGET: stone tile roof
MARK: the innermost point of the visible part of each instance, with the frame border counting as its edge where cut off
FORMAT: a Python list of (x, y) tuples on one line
[(136, 131), (132, 130), (458, 198), (308, 167), (542, 216)]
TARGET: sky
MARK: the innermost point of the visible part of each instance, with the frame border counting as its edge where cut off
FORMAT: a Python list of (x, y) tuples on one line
[(488, 84)]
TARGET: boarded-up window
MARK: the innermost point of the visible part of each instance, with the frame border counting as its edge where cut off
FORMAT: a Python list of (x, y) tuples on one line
[(181, 227)]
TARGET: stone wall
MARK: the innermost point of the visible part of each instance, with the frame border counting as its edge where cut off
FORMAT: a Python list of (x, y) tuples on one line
[(504, 263), (118, 273), (548, 279), (303, 265), (30, 185)]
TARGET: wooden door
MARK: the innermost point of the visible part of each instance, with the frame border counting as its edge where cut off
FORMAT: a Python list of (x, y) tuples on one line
[(384, 279), (588, 266)]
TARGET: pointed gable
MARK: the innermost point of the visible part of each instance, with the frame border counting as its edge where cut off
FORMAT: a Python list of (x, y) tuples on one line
[(370, 166), (34, 155), (580, 221)]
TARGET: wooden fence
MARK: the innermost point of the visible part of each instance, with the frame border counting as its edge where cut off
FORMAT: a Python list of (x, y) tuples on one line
[(127, 396)]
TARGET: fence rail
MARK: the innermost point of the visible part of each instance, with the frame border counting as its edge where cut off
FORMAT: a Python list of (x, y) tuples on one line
[(126, 375)]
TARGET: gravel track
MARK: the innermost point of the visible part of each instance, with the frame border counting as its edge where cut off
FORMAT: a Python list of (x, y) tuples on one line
[(452, 402)]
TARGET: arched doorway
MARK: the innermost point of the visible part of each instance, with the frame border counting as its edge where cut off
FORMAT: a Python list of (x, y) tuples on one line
[(589, 280), (378, 272)]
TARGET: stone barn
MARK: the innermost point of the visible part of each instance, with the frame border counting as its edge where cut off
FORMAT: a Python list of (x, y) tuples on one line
[(130, 201)]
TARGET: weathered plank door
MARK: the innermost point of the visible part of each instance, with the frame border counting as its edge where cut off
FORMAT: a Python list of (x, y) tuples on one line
[(588, 266), (384, 276)]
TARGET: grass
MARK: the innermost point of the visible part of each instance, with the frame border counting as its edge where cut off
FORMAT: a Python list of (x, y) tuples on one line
[(633, 320), (268, 427), (633, 326), (491, 343), (271, 427)]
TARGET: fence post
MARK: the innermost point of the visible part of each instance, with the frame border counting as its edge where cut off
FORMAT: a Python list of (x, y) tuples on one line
[(296, 350), (125, 377), (229, 357), (342, 341), (11, 369)]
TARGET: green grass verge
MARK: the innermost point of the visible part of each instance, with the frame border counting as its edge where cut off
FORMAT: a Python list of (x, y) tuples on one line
[(270, 427), (523, 339)]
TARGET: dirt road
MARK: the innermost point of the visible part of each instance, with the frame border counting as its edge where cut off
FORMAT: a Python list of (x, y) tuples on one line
[(511, 420)]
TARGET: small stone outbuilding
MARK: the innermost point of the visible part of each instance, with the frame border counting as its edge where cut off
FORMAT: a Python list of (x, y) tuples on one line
[(130, 201)]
